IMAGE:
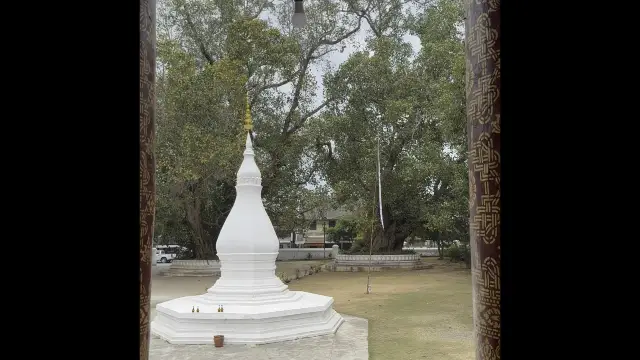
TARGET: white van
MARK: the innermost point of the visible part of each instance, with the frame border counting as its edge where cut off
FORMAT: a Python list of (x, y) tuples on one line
[(166, 253), (163, 257)]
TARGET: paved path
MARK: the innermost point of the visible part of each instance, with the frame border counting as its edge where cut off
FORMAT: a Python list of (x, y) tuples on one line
[(349, 343)]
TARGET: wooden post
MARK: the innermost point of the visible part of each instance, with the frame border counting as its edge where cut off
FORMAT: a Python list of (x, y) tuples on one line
[(483, 116), (147, 162)]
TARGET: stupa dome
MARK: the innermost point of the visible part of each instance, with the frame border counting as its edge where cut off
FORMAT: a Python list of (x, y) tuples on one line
[(248, 229)]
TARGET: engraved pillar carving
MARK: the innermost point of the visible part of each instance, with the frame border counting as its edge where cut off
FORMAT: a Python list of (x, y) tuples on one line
[(147, 165), (483, 116)]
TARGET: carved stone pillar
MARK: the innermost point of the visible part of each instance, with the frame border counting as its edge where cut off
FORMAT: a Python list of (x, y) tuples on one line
[(147, 165), (483, 115)]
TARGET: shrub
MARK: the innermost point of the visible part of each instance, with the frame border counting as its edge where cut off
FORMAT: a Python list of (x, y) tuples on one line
[(359, 245), (454, 253), (284, 278), (457, 253), (466, 255)]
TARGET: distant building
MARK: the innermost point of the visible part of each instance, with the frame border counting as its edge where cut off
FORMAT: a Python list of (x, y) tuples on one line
[(315, 232), (315, 235), (292, 241)]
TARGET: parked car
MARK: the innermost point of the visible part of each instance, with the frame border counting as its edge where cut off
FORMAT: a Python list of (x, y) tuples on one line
[(164, 257)]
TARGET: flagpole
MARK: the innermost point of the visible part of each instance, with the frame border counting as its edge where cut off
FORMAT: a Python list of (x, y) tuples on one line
[(380, 195), (374, 215), (373, 219)]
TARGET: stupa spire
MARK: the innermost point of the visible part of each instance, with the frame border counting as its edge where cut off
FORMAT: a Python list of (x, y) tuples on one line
[(248, 174), (247, 145), (248, 122)]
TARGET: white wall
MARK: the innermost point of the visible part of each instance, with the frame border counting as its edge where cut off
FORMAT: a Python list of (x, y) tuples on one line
[(423, 251), (302, 254)]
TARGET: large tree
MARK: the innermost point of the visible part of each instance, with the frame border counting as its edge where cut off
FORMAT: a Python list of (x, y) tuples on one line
[(446, 210), (210, 54), (414, 107)]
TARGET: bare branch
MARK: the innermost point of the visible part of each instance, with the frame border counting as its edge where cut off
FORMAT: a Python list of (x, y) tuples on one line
[(303, 70), (296, 96), (194, 35), (260, 89), (323, 54), (302, 120), (371, 25), (309, 175), (261, 9)]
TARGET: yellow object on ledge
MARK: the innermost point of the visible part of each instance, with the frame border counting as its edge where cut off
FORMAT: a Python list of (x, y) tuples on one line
[(248, 123)]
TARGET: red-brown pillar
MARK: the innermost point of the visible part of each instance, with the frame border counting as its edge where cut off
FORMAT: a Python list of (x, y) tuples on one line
[(147, 164), (483, 116)]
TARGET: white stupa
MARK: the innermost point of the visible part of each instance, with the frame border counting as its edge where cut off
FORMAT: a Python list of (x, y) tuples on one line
[(258, 307)]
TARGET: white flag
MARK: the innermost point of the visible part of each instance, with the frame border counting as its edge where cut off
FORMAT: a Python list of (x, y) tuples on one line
[(380, 186)]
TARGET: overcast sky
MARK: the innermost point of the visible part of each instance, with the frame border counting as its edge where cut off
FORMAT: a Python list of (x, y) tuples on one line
[(336, 58)]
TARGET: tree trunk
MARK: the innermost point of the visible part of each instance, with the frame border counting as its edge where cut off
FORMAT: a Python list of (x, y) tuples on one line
[(147, 163), (393, 236), (203, 247), (436, 236), (398, 241), (467, 258), (391, 240), (482, 42)]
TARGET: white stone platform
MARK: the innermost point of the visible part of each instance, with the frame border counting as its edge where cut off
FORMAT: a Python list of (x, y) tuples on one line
[(299, 314), (193, 268), (350, 343), (348, 262)]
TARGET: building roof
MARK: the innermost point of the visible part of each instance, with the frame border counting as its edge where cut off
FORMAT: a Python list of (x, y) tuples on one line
[(330, 214)]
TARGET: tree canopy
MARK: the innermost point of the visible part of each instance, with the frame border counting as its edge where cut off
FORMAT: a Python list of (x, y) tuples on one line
[(410, 107), (315, 142)]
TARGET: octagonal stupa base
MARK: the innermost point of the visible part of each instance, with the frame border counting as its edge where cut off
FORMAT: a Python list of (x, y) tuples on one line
[(298, 315)]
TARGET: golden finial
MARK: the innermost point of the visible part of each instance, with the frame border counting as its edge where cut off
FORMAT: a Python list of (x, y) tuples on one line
[(193, 309), (198, 309), (248, 123)]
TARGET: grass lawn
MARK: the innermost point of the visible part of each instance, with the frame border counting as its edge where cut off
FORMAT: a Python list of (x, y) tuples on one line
[(289, 267), (423, 314)]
